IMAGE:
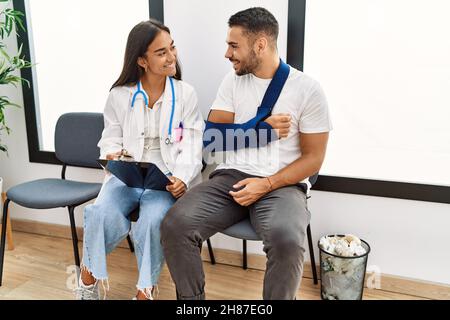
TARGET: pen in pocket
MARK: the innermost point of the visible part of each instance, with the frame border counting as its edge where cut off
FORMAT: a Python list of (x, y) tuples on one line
[(179, 132)]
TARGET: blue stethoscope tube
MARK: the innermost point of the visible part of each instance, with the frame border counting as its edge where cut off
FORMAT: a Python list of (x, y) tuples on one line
[(139, 91)]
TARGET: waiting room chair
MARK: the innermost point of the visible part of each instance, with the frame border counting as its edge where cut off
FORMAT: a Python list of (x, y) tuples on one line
[(76, 138), (245, 231), (9, 235)]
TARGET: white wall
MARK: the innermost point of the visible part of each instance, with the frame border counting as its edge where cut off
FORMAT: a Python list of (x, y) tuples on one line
[(408, 238)]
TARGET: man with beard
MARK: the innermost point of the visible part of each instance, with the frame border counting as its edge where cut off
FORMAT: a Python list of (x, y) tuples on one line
[(268, 183)]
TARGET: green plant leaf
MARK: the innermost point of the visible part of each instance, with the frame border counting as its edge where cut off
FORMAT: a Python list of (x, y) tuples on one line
[(10, 20), (4, 101)]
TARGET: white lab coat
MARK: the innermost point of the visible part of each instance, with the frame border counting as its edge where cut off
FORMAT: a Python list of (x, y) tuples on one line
[(124, 128)]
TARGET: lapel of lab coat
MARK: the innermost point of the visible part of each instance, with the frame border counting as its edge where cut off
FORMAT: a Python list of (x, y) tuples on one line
[(138, 117)]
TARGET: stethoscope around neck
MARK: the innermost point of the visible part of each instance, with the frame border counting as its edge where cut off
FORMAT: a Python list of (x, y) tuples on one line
[(139, 91)]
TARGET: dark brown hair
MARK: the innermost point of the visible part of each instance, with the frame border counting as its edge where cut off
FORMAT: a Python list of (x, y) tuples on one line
[(140, 37), (255, 21)]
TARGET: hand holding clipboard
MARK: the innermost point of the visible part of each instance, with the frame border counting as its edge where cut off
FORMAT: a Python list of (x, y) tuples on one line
[(177, 188), (143, 175)]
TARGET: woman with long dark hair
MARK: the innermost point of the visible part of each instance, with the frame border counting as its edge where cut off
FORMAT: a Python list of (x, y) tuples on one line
[(152, 116)]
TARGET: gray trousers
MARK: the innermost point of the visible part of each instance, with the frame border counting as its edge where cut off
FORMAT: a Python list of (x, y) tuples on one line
[(280, 218)]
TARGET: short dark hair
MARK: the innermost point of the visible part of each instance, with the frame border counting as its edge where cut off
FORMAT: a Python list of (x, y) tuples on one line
[(255, 21)]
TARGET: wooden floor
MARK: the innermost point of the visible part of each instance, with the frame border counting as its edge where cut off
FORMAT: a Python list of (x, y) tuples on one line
[(37, 269)]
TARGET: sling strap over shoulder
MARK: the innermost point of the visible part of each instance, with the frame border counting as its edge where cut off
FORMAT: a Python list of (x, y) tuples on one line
[(262, 132)]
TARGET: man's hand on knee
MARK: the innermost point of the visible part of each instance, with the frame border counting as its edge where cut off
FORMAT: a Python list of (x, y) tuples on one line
[(252, 190)]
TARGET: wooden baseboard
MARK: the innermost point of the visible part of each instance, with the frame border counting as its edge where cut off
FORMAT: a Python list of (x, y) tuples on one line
[(389, 283)]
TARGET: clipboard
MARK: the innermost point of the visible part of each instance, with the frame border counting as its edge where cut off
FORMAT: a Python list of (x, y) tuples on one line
[(143, 175)]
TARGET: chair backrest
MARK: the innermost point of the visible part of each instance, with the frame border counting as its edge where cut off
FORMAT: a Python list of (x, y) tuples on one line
[(313, 179), (76, 138)]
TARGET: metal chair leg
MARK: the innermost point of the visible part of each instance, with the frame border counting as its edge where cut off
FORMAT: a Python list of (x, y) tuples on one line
[(9, 237), (311, 254), (130, 243), (3, 237), (244, 254), (211, 253), (74, 236)]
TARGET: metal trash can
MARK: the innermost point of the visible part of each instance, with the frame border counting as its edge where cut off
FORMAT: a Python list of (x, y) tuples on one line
[(342, 277)]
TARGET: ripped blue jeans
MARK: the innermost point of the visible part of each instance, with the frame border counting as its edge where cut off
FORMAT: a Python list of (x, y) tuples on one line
[(106, 224)]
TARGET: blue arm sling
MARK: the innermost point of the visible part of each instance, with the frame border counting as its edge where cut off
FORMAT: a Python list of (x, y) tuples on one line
[(255, 132)]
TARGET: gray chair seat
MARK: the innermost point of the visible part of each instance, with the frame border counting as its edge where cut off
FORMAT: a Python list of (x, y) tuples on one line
[(53, 193), (76, 138), (242, 230)]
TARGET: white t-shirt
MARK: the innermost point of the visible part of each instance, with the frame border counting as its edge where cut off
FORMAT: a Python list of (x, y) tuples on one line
[(302, 98)]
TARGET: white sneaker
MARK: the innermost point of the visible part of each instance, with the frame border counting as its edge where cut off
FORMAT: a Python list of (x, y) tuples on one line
[(84, 292)]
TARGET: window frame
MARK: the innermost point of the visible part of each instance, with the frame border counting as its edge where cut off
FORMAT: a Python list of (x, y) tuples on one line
[(295, 57)]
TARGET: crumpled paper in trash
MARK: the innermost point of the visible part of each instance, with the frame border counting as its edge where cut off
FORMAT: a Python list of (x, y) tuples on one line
[(347, 246)]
